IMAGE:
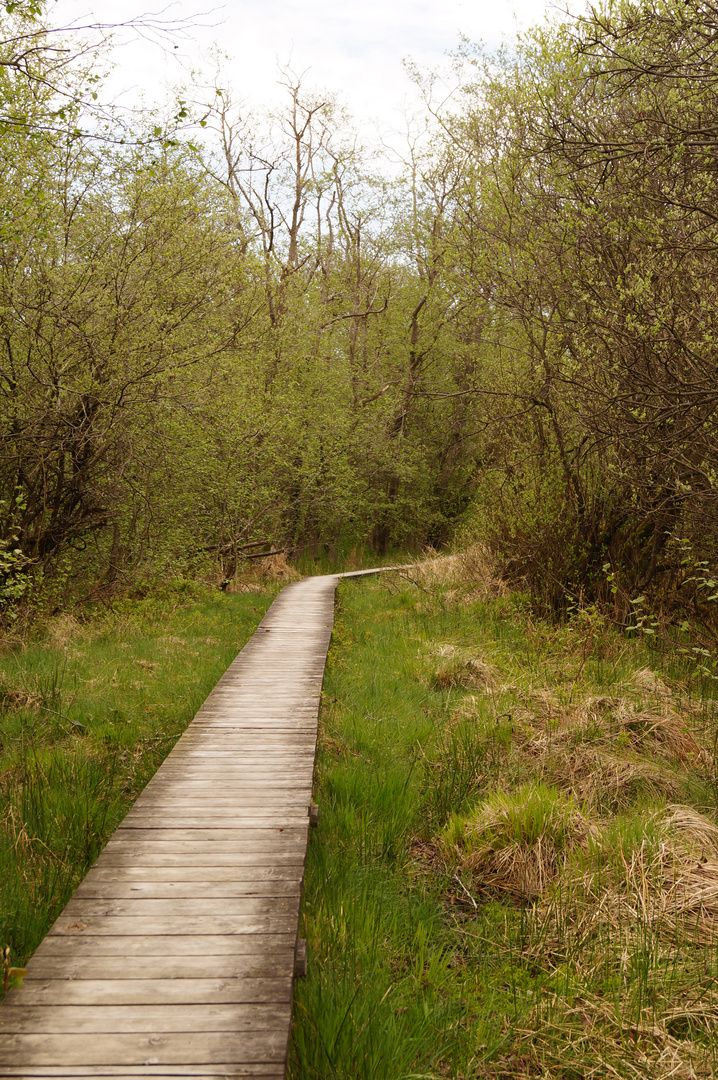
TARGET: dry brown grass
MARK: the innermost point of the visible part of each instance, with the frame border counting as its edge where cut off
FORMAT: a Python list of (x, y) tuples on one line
[(646, 681), (63, 629), (276, 568), (241, 586), (468, 577), (660, 729), (473, 673), (13, 697), (664, 882), (607, 750), (587, 1036), (603, 779), (517, 843)]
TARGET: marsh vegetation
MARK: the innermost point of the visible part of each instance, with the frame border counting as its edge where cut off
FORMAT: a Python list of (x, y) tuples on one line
[(516, 873)]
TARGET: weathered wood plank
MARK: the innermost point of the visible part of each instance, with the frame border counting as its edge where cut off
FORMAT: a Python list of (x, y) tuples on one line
[(208, 801), (270, 965), (196, 777), (216, 1071), (147, 1017), (268, 816), (204, 1048), (146, 845), (122, 889), (271, 837), (139, 926), (141, 907), (220, 785), (87, 993), (203, 874), (140, 855), (168, 945), (208, 820)]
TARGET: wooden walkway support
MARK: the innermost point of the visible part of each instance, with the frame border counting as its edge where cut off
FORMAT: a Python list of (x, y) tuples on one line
[(175, 957)]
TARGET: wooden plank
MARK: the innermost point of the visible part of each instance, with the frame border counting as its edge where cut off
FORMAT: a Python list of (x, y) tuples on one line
[(234, 766), (288, 775), (129, 926), (204, 1048), (230, 753), (76, 966), (92, 889), (192, 840), (235, 747), (225, 788), (248, 781), (168, 945), (216, 1071), (271, 815), (209, 820), (271, 837), (86, 993), (265, 802), (148, 1017), (240, 875), (197, 855), (177, 907)]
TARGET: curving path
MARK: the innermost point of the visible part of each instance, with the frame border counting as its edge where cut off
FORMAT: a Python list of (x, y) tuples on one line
[(175, 957)]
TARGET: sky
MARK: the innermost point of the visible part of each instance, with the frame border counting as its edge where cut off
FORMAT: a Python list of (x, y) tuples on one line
[(356, 50)]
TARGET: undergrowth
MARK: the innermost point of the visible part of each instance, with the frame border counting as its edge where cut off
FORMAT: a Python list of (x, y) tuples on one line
[(516, 869), (89, 711)]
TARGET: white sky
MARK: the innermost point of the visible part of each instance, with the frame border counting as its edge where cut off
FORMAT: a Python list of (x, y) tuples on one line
[(356, 49)]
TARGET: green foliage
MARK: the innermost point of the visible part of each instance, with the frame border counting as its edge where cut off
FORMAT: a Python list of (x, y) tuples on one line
[(204, 348), (587, 219)]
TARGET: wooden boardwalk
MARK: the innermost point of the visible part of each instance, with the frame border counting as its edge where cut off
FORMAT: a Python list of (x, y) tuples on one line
[(175, 957)]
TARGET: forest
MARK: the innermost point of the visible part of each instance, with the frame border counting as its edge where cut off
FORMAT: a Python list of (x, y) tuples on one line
[(224, 332)]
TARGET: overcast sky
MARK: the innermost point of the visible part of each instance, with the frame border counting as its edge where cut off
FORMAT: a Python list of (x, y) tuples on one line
[(356, 50)]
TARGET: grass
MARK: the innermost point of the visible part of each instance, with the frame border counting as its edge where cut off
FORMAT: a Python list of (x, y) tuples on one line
[(516, 869), (88, 714)]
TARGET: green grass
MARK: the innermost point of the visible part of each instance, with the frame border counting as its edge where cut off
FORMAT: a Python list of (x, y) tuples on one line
[(424, 965), (88, 714)]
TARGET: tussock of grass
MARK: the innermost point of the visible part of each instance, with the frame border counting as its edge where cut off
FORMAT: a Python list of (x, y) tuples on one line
[(646, 681), (659, 878), (276, 568), (473, 673), (517, 843), (608, 750)]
